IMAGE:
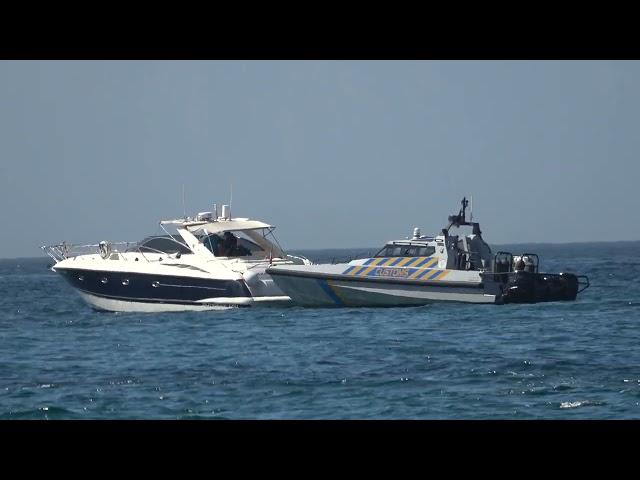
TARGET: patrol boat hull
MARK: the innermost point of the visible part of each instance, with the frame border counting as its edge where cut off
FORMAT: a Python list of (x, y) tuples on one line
[(425, 269), (326, 288), (344, 285), (317, 290)]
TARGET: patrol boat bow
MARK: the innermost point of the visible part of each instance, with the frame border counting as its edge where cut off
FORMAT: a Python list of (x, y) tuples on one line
[(427, 269), (210, 263)]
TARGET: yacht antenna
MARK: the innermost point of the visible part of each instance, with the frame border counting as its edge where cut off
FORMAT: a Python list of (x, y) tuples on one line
[(184, 209), (230, 198), (471, 210)]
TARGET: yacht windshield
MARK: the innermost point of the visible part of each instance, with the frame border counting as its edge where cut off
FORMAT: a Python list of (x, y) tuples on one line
[(230, 244), (162, 244)]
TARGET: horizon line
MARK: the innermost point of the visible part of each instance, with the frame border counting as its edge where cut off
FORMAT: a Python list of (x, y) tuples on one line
[(370, 248)]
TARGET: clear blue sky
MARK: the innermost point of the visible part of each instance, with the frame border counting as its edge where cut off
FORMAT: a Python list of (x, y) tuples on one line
[(334, 153)]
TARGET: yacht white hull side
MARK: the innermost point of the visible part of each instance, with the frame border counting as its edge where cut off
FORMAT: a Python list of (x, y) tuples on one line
[(113, 305), (220, 303)]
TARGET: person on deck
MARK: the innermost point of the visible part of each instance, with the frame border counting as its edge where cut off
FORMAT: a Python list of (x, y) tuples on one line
[(231, 247)]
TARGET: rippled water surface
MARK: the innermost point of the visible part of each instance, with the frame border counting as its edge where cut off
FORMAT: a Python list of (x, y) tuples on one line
[(60, 359)]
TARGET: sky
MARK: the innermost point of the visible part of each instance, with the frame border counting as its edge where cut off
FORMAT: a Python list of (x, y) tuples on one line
[(333, 153)]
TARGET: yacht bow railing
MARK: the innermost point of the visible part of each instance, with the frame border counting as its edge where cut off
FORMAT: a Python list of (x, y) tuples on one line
[(64, 250), (304, 260)]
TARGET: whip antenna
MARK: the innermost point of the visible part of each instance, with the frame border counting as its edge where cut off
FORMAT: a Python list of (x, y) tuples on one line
[(184, 208)]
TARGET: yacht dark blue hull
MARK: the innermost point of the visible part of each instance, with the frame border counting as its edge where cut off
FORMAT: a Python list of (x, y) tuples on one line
[(154, 289)]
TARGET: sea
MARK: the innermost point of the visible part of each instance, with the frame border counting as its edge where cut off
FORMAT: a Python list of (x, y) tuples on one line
[(59, 359)]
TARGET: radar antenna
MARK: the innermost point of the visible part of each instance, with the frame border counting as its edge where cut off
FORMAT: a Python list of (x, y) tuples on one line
[(184, 208), (459, 219)]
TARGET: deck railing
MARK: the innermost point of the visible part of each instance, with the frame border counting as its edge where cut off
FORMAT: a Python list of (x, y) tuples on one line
[(65, 250)]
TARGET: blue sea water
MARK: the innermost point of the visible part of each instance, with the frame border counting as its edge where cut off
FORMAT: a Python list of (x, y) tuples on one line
[(59, 359)]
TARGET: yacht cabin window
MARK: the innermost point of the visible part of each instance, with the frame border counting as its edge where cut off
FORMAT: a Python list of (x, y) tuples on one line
[(235, 245), (162, 244)]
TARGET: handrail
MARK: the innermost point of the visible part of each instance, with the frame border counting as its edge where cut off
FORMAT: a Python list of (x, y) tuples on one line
[(305, 260), (62, 251), (587, 285), (536, 264)]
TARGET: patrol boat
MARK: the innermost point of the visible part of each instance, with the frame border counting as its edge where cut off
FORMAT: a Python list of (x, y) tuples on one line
[(210, 262), (425, 269)]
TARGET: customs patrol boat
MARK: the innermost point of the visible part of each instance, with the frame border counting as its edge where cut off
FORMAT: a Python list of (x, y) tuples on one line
[(425, 269), (210, 262)]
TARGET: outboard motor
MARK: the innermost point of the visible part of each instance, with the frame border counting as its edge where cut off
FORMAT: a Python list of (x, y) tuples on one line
[(524, 284), (513, 279)]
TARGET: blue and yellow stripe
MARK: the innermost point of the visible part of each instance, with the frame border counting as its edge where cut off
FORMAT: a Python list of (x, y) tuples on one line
[(328, 289), (414, 268)]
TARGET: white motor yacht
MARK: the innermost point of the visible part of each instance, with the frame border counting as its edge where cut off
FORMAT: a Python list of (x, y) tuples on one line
[(210, 262)]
